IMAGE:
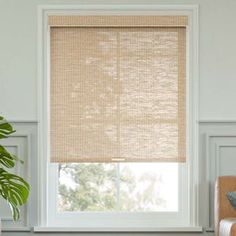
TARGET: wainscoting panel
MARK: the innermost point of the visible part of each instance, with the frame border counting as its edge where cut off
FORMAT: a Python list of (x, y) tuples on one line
[(218, 155), (16, 145), (21, 144)]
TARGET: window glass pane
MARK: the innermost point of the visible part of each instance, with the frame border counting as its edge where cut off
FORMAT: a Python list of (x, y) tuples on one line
[(118, 187), (87, 187), (149, 186)]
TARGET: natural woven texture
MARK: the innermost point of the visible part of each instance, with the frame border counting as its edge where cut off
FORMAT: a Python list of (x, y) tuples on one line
[(118, 94), (118, 21)]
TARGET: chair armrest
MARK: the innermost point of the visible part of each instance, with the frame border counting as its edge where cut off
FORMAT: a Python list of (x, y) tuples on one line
[(223, 208)]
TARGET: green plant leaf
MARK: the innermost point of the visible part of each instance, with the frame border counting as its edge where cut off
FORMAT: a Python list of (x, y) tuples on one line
[(7, 159), (15, 190), (5, 128)]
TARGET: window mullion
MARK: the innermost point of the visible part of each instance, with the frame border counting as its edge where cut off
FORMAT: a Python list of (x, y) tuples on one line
[(118, 186)]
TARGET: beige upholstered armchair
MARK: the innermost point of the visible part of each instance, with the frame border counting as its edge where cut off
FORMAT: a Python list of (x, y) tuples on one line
[(225, 214)]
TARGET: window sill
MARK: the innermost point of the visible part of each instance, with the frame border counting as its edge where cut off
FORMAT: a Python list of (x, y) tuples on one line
[(197, 229), (16, 229)]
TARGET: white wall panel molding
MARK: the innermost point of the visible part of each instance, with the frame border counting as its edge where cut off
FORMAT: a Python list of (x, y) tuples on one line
[(17, 147), (23, 143), (219, 162), (213, 121), (16, 121), (20, 144)]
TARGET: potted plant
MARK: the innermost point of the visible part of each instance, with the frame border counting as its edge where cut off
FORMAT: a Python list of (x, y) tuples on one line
[(13, 188)]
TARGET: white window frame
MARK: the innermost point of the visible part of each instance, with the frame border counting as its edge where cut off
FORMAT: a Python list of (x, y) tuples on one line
[(49, 220)]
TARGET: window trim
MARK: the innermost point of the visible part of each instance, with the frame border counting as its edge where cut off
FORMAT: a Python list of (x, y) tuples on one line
[(192, 89), (49, 229)]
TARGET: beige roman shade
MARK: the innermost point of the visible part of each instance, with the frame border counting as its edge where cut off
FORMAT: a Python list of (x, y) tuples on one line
[(118, 88)]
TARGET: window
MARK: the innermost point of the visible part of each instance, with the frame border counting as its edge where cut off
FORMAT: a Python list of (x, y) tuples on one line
[(118, 145), (130, 187), (118, 194)]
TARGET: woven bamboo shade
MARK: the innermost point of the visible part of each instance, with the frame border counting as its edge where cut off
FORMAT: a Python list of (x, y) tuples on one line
[(118, 88)]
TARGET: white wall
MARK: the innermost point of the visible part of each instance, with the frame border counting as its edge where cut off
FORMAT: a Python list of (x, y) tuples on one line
[(18, 81), (18, 55)]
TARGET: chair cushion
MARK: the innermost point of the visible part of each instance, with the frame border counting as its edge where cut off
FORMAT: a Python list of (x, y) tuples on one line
[(227, 227)]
